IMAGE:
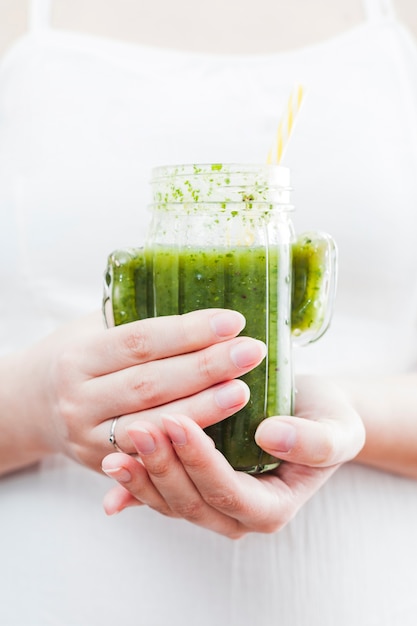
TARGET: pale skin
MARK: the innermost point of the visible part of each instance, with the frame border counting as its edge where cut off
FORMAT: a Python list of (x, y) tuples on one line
[(170, 377), (176, 461), (61, 394), (181, 474)]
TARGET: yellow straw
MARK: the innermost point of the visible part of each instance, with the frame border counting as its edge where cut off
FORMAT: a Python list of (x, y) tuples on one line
[(286, 125)]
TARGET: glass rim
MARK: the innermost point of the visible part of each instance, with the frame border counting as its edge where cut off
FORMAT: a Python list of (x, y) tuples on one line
[(206, 206), (274, 174)]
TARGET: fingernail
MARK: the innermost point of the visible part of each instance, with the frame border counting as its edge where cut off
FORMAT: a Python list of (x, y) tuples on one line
[(142, 440), (247, 353), (231, 394), (277, 436), (175, 430), (227, 323), (111, 506), (121, 474)]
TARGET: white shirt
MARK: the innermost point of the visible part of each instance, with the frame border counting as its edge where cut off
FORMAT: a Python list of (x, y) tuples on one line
[(82, 121)]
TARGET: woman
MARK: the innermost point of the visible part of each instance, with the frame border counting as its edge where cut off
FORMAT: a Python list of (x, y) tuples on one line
[(83, 120)]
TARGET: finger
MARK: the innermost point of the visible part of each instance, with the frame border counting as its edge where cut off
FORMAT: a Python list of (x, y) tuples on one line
[(264, 503), (325, 431), (161, 381), (168, 488), (301, 441), (129, 472), (207, 407), (155, 338), (258, 504), (248, 502), (118, 499)]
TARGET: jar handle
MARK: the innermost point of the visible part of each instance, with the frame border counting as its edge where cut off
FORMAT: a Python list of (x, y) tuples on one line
[(314, 278), (125, 287)]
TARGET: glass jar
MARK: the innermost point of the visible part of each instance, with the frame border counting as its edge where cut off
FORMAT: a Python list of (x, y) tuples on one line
[(221, 235)]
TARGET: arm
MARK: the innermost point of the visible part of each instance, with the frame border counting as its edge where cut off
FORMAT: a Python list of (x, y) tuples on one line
[(21, 442), (62, 394), (388, 407)]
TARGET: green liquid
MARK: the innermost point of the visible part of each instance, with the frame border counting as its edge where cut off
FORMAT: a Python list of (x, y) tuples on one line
[(260, 283)]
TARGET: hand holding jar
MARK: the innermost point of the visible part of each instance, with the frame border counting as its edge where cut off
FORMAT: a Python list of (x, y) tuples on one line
[(221, 235), (75, 391), (180, 473)]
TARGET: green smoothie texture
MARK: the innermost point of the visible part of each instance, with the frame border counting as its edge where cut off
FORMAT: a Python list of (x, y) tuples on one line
[(240, 279), (311, 284), (263, 284), (130, 280)]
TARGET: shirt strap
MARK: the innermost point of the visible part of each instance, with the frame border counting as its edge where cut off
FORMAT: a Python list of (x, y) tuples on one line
[(39, 16), (379, 9)]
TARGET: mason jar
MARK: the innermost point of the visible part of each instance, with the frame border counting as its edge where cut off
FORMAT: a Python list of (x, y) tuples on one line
[(221, 235)]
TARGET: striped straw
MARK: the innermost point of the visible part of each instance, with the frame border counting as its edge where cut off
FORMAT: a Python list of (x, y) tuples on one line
[(286, 125)]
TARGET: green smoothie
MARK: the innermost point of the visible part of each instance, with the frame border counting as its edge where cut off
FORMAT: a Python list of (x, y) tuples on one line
[(313, 259), (259, 282)]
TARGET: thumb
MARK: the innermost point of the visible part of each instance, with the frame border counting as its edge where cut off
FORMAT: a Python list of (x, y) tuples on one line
[(326, 432)]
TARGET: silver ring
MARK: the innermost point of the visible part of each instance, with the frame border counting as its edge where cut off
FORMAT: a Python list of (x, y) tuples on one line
[(112, 436)]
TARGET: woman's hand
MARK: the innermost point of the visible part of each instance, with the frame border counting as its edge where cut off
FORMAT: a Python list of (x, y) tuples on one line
[(64, 393), (180, 474)]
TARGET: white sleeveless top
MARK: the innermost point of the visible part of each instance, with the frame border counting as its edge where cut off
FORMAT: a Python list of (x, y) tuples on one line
[(82, 121)]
